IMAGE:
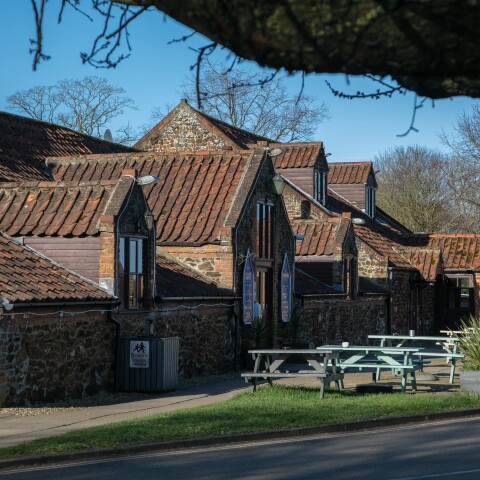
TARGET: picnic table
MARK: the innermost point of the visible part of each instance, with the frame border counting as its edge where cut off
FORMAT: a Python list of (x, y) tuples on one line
[(274, 363), (448, 351), (398, 359)]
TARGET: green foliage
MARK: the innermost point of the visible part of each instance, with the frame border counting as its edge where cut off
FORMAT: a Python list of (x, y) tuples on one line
[(296, 324), (258, 334), (469, 342), (270, 408)]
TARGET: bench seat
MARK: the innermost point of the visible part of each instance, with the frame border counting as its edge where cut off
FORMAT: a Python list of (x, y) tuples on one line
[(383, 366)]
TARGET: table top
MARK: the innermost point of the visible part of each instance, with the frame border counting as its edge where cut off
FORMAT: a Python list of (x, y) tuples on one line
[(374, 348), (291, 351), (415, 337)]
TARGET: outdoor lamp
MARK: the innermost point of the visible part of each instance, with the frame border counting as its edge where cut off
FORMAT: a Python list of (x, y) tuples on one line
[(278, 184), (148, 215)]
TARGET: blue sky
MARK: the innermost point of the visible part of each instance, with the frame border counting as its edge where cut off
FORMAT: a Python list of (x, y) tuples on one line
[(152, 76)]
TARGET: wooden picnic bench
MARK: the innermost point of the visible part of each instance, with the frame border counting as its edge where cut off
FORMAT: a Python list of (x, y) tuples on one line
[(399, 360), (273, 363), (448, 351)]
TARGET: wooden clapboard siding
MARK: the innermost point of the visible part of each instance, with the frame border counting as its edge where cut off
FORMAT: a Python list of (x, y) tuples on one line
[(301, 177), (82, 255), (354, 193)]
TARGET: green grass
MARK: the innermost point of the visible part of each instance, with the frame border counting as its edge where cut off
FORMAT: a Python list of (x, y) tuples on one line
[(269, 408)]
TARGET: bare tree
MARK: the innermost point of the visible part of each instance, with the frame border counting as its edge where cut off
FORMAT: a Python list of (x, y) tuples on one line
[(87, 105), (464, 173), (255, 103), (414, 189)]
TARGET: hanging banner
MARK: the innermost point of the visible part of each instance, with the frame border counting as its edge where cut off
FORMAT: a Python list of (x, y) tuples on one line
[(285, 291), (248, 290)]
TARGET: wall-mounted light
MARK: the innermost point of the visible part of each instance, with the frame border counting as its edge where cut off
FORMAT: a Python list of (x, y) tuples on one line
[(147, 180), (5, 303), (278, 184), (148, 215)]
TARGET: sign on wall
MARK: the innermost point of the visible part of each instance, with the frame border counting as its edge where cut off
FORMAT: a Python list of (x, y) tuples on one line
[(248, 290), (139, 354), (285, 290)]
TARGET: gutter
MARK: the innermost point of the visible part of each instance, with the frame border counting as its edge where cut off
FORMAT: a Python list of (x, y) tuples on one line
[(182, 299), (187, 244), (117, 349), (68, 304)]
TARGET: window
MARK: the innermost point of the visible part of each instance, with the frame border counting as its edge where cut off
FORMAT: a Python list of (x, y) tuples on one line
[(131, 272), (350, 273), (305, 209), (320, 186), (370, 202), (265, 230), (458, 292), (263, 293)]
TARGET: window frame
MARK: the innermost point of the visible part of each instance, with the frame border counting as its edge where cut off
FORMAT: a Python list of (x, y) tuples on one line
[(454, 295), (132, 298), (320, 186), (370, 201), (265, 225)]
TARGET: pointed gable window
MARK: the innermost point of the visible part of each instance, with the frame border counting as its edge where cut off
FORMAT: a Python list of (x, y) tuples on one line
[(320, 186)]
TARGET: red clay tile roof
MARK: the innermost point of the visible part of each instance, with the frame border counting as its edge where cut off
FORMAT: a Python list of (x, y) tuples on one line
[(28, 277), (427, 261), (53, 208), (348, 172), (235, 137), (459, 251), (319, 237), (175, 279), (297, 155), (26, 143), (193, 197), (383, 244)]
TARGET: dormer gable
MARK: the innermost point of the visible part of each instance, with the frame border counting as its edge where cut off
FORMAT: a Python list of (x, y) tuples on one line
[(354, 181), (305, 165)]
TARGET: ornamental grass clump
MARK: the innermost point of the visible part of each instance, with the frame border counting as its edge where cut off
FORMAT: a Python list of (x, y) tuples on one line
[(469, 342)]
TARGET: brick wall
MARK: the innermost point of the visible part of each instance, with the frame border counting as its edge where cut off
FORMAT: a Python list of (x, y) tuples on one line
[(44, 358), (213, 261), (476, 286)]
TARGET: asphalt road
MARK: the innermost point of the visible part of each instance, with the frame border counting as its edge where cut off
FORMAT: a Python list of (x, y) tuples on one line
[(443, 451)]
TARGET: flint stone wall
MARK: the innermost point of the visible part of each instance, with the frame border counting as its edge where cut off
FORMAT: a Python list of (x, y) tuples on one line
[(207, 337), (339, 320), (50, 358)]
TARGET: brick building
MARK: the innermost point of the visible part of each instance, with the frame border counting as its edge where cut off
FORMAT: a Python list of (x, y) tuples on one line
[(227, 247)]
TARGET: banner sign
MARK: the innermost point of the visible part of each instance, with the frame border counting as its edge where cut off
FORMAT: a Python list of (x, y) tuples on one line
[(139, 354), (285, 291), (248, 290)]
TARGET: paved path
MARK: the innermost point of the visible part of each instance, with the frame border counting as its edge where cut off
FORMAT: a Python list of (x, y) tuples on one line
[(18, 429)]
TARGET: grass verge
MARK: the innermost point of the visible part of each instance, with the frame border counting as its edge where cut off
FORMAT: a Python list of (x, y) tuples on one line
[(271, 408)]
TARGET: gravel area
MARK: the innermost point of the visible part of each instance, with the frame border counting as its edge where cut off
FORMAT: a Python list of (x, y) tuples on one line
[(102, 399)]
